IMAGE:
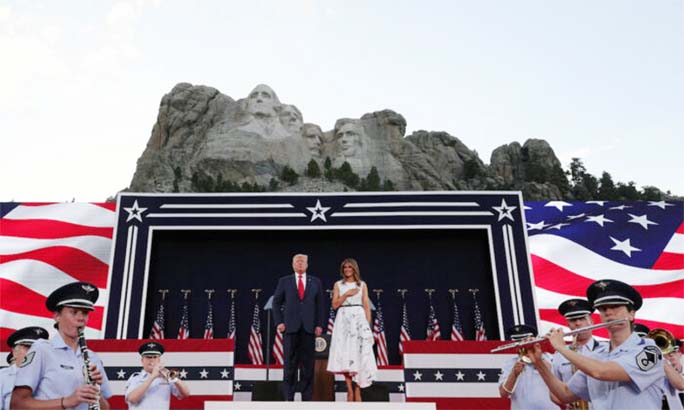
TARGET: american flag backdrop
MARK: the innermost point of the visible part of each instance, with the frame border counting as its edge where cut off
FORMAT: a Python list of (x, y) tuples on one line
[(573, 244), (278, 348), (379, 336), (46, 245), (43, 246)]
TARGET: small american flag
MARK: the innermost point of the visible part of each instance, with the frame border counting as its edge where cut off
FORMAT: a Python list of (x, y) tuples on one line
[(231, 321), (405, 330), (278, 348), (480, 334), (331, 320), (209, 325), (184, 330), (432, 333), (379, 336), (157, 331), (255, 350), (456, 329)]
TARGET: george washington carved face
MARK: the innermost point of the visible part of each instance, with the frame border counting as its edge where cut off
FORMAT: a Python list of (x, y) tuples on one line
[(262, 101)]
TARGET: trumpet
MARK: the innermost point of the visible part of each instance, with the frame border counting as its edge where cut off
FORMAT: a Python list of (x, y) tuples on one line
[(169, 375), (663, 339), (522, 343)]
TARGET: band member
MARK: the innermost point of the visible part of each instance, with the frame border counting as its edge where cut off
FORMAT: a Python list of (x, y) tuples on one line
[(53, 372), (152, 387), (577, 313), (301, 295), (673, 398), (627, 373), (520, 380), (20, 342), (641, 330)]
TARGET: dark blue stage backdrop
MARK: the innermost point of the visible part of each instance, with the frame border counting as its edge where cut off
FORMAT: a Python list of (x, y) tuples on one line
[(416, 241)]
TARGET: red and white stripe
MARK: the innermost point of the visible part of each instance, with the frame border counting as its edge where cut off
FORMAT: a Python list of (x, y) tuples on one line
[(255, 350), (46, 245), (278, 348), (380, 344), (456, 336), (563, 269), (403, 337)]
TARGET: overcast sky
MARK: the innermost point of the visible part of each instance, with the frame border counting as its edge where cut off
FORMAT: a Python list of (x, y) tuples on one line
[(81, 81)]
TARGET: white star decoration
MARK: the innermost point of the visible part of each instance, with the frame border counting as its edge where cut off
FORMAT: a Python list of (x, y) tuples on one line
[(504, 210), (417, 375), (401, 387), (318, 211), (641, 220), (557, 204), (538, 226), (183, 374), (619, 208), (599, 219), (460, 376), (237, 386), (599, 203), (204, 373), (480, 376), (624, 246), (557, 226), (439, 376), (659, 204), (571, 217), (120, 374), (224, 374), (134, 212)]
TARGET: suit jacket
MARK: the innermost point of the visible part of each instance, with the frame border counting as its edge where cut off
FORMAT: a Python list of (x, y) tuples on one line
[(307, 313)]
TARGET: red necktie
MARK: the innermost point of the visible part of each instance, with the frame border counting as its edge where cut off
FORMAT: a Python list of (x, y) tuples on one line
[(300, 286)]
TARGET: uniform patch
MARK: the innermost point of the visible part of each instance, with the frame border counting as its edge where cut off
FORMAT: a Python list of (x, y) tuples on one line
[(648, 358), (28, 359)]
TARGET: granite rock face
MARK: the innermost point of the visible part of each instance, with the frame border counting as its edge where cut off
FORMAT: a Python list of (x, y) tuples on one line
[(203, 135)]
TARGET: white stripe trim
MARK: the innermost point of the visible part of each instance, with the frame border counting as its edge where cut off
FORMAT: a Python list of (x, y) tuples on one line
[(676, 244), (454, 390), (406, 204), (95, 246), (226, 206), (231, 215), (85, 214), (412, 213)]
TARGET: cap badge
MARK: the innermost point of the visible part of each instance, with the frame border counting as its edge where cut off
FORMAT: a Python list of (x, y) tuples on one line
[(87, 288), (602, 285)]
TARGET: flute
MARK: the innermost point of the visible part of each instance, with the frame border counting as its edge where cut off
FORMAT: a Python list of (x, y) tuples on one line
[(570, 333)]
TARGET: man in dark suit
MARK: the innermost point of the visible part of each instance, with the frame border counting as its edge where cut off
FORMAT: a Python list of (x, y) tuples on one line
[(301, 296)]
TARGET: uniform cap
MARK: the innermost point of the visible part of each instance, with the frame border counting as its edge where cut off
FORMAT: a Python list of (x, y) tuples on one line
[(613, 292), (575, 308), (518, 332), (151, 349), (27, 336), (641, 330), (77, 295)]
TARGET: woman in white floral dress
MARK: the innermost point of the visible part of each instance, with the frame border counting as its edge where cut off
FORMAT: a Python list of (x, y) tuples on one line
[(351, 346)]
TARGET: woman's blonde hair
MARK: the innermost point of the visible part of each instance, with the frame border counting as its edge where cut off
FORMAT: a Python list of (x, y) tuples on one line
[(355, 268)]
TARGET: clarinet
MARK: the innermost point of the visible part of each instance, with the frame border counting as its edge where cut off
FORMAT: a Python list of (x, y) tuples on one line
[(87, 376)]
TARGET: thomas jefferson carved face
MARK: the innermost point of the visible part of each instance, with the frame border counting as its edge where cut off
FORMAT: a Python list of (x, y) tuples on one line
[(313, 136), (349, 136), (262, 101), (291, 118)]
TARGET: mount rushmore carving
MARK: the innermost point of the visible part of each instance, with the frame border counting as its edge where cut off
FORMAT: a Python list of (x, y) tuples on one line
[(204, 135)]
